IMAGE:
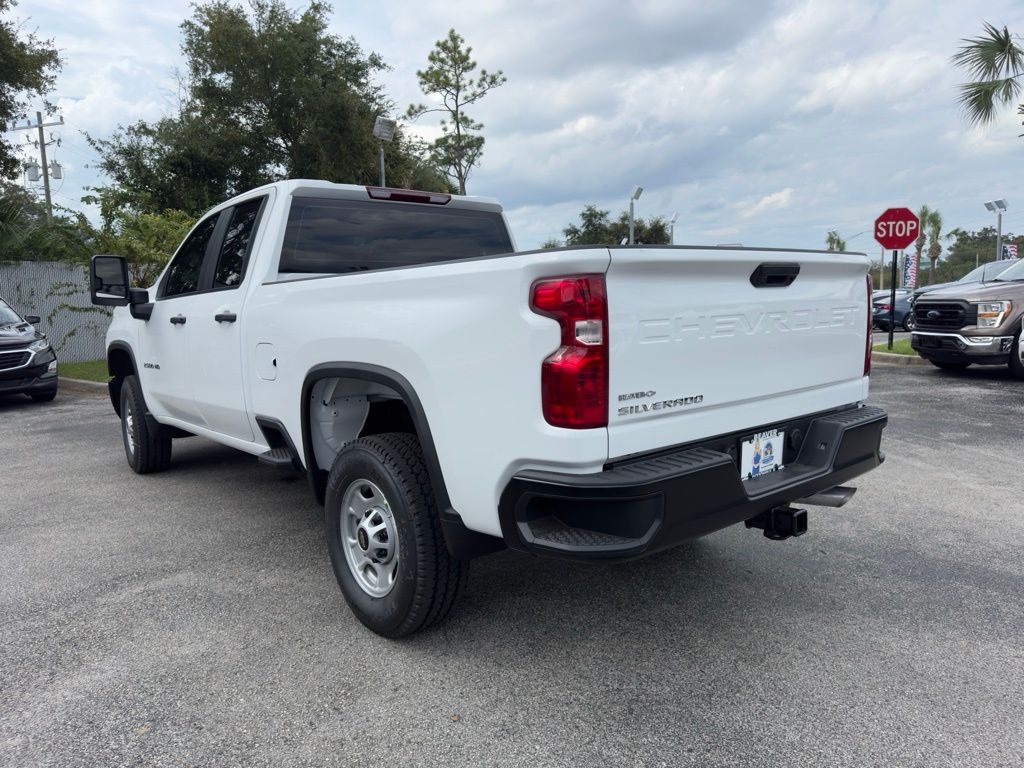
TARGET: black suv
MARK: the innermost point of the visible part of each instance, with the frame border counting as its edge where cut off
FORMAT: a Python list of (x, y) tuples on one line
[(28, 364)]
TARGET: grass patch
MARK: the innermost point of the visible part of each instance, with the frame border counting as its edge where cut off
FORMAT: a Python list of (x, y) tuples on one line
[(899, 347), (90, 370)]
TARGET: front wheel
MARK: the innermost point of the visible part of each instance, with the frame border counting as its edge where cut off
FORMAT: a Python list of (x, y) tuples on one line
[(146, 452), (1016, 364), (908, 322), (385, 538)]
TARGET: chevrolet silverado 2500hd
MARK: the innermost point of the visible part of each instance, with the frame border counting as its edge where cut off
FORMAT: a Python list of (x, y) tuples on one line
[(448, 396)]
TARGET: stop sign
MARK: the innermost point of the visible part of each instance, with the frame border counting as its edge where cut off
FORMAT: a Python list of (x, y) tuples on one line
[(897, 228)]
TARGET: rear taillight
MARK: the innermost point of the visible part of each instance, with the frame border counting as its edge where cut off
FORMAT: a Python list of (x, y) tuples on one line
[(574, 378), (867, 350)]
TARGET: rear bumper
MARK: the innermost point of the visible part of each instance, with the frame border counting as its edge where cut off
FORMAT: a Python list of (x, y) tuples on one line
[(639, 507), (957, 348)]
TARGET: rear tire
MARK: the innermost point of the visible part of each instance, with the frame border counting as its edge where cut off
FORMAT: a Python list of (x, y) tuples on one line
[(949, 366), (1016, 366), (384, 536), (145, 451)]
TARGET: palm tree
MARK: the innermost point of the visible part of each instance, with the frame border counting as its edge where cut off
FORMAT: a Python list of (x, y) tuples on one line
[(995, 63), (934, 246), (833, 242), (922, 218)]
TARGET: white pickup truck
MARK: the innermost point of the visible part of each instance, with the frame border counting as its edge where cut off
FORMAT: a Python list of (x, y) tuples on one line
[(448, 396)]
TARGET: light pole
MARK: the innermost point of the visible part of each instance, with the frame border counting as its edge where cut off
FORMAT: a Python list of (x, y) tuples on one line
[(384, 130), (672, 229), (634, 196), (997, 207)]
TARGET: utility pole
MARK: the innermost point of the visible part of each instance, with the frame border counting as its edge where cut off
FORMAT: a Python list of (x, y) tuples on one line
[(41, 143)]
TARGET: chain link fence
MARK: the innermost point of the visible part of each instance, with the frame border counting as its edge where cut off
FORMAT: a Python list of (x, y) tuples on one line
[(59, 294)]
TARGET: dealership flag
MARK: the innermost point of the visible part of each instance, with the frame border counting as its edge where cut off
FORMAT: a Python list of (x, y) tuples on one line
[(909, 271), (1010, 251)]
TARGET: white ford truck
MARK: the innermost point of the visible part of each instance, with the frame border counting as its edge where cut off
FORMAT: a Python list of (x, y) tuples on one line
[(448, 396)]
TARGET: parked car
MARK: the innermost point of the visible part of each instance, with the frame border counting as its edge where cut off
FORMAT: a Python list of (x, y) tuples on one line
[(448, 396), (28, 364), (976, 324), (980, 274), (879, 295), (883, 311)]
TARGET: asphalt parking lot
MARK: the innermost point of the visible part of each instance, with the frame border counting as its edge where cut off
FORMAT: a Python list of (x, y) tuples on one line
[(191, 618)]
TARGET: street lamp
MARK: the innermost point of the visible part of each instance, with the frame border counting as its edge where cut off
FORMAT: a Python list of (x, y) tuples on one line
[(672, 229), (384, 130), (634, 196), (997, 207)]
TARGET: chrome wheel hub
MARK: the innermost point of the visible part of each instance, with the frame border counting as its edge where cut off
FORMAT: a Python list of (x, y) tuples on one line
[(369, 537), (129, 430)]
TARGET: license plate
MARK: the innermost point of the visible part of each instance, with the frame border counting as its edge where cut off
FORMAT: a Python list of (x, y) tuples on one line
[(761, 454)]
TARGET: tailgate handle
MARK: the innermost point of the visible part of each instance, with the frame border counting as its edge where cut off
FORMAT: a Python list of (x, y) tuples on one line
[(774, 275)]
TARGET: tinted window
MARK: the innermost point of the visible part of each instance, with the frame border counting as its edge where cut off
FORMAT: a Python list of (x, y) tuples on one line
[(183, 276), (350, 235), (235, 251)]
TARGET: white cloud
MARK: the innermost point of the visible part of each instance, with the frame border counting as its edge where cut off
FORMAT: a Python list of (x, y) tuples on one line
[(770, 202), (814, 113)]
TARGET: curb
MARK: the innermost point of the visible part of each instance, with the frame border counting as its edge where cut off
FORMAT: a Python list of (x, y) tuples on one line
[(81, 386), (889, 358)]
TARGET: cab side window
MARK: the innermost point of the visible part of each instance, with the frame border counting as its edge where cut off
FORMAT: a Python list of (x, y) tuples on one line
[(183, 276), (234, 253)]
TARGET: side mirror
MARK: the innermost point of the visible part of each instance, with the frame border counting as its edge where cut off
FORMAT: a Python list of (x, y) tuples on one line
[(33, 319), (108, 281)]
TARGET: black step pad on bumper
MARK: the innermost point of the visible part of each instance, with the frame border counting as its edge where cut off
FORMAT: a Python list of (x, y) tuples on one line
[(641, 506)]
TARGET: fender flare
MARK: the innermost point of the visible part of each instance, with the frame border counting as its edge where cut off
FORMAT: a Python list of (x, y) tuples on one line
[(114, 385), (461, 542)]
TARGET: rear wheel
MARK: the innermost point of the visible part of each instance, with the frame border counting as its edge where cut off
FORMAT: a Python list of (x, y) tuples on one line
[(1016, 364), (385, 539), (949, 366), (145, 451)]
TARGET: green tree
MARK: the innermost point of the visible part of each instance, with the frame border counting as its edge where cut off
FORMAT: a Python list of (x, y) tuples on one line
[(934, 229), (449, 75), (268, 93), (28, 67), (967, 249), (833, 242), (923, 216), (146, 240), (596, 228), (995, 62), (26, 236)]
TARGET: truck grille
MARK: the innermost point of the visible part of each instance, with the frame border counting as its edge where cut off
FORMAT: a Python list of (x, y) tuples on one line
[(944, 316), (13, 359)]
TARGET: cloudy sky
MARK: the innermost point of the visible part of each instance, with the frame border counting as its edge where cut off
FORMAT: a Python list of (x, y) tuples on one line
[(758, 122)]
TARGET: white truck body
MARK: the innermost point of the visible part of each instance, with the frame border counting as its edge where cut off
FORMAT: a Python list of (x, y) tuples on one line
[(695, 351)]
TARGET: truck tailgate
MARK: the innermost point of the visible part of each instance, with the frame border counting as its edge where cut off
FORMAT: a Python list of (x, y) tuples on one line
[(701, 346)]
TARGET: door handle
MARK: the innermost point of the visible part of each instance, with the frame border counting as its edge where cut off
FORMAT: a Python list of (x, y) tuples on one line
[(178, 320), (225, 317)]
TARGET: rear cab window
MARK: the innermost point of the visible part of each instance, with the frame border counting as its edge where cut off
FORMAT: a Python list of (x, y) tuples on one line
[(337, 236)]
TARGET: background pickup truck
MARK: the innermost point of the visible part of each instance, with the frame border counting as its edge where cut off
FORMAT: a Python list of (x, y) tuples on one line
[(977, 323), (447, 396)]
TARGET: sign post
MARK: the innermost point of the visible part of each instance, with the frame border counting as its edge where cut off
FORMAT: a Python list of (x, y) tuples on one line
[(895, 230)]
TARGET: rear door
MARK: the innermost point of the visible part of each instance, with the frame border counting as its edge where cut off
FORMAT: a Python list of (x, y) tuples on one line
[(705, 342)]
